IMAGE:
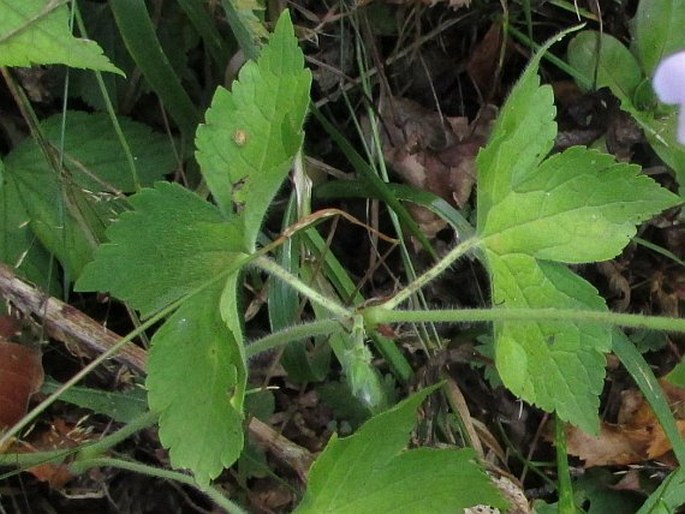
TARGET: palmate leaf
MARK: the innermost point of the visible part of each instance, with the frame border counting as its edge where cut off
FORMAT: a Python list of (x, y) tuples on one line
[(372, 472), (575, 207), (37, 32), (175, 246)]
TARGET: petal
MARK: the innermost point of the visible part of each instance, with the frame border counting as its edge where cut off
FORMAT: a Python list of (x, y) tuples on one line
[(669, 79)]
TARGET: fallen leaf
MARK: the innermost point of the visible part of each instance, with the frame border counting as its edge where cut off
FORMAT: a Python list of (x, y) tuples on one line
[(21, 375), (60, 435), (433, 153), (636, 437), (483, 65)]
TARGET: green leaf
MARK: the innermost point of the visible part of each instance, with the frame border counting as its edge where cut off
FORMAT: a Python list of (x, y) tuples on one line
[(559, 366), (93, 155), (171, 244), (138, 32), (37, 32), (604, 61), (251, 135), (658, 31), (68, 220), (194, 373), (372, 472), (577, 206), (247, 28), (19, 246)]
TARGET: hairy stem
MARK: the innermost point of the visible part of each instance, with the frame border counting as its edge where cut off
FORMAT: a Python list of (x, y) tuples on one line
[(293, 333), (332, 306), (380, 314), (211, 492), (456, 253)]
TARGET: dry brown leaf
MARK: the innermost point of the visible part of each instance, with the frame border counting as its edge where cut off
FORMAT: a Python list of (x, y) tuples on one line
[(60, 436), (636, 438), (483, 63), (433, 153), (21, 375), (614, 446)]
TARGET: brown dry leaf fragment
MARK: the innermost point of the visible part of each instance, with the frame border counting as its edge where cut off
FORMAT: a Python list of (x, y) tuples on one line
[(21, 375), (433, 153), (614, 446), (637, 438), (9, 326), (60, 436), (484, 61), (617, 283)]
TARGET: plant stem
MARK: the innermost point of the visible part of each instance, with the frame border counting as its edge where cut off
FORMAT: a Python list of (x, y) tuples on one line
[(266, 264), (99, 447), (213, 493), (458, 251), (293, 333), (380, 314), (566, 503)]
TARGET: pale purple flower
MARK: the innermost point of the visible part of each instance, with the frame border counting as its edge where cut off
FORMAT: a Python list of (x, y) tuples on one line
[(669, 85)]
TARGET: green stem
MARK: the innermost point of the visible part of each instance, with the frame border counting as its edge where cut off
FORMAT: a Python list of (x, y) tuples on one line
[(101, 446), (293, 333), (380, 314), (213, 493), (459, 251), (27, 460), (266, 264), (566, 503)]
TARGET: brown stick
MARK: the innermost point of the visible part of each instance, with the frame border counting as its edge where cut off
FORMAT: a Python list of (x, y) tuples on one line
[(66, 323), (69, 325)]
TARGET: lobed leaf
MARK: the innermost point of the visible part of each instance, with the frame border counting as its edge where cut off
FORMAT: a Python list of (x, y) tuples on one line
[(577, 206), (37, 32), (172, 243), (559, 366), (251, 134), (195, 371), (372, 472)]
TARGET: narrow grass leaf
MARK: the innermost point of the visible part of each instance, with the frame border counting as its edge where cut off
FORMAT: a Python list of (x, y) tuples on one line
[(138, 32)]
